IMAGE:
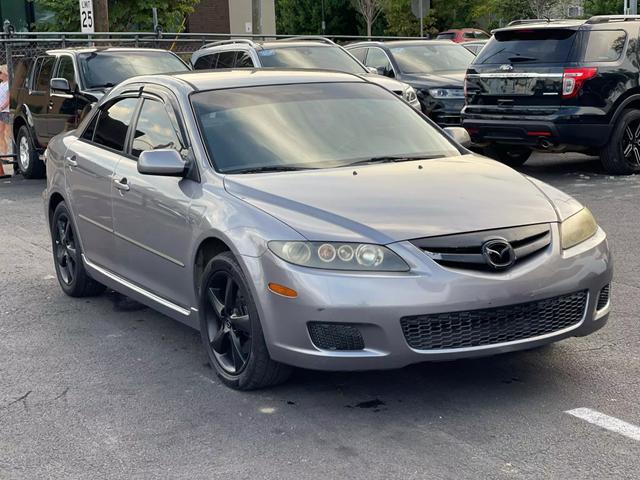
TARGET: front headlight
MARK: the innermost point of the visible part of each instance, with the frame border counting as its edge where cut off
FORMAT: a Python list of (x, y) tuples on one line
[(578, 228), (446, 92), (410, 95), (339, 256)]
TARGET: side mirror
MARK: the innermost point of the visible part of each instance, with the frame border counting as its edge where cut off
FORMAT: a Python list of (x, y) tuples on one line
[(165, 162), (373, 70), (460, 135), (59, 85)]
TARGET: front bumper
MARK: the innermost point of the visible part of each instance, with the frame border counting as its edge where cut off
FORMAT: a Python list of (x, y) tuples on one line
[(445, 112), (375, 303)]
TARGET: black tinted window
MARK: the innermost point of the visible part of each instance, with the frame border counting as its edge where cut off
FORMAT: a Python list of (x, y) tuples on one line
[(225, 60), (44, 74), (91, 128), (154, 129), (244, 60), (543, 45), (205, 62), (446, 36), (66, 70), (114, 122), (604, 45)]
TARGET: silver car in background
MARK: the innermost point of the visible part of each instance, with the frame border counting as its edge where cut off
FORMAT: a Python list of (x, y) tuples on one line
[(313, 219)]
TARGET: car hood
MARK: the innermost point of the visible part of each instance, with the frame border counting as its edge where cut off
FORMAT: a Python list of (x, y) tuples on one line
[(385, 203), (428, 80), (386, 82)]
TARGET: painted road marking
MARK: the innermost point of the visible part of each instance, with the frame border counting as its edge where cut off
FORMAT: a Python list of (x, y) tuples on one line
[(612, 424)]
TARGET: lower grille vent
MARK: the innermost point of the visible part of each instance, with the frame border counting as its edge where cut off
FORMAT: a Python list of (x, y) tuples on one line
[(335, 336)]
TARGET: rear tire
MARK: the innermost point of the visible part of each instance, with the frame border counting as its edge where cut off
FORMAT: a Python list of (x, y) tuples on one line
[(67, 256), (28, 159), (512, 155), (231, 330), (621, 155)]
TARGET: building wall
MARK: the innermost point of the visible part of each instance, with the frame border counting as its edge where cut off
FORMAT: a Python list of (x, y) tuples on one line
[(241, 14), (210, 16)]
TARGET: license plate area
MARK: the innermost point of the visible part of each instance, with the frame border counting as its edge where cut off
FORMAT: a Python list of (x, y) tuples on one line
[(512, 86)]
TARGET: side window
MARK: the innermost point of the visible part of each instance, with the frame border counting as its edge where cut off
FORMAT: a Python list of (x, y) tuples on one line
[(226, 59), (154, 129), (114, 122), (206, 62), (44, 74), (376, 58), (243, 60), (66, 70), (91, 128), (604, 45), (359, 53)]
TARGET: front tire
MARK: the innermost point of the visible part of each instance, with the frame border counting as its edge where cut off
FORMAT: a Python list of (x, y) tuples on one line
[(67, 256), (28, 159), (511, 155), (621, 155), (231, 331)]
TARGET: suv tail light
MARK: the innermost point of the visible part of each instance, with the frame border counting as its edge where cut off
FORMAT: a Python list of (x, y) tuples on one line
[(573, 78)]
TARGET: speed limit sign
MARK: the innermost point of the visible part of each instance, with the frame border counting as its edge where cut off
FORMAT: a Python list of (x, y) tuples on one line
[(86, 16)]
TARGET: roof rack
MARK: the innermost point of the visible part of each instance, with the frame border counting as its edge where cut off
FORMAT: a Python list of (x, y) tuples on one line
[(524, 21), (312, 38), (230, 42), (612, 18)]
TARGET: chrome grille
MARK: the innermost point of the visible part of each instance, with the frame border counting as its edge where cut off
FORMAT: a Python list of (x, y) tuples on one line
[(475, 328), (465, 250)]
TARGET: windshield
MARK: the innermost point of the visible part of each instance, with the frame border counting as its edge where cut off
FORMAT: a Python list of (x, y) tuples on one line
[(320, 125), (107, 69), (425, 58), (529, 45), (312, 57)]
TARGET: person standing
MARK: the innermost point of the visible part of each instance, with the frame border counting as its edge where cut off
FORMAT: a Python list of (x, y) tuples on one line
[(5, 118)]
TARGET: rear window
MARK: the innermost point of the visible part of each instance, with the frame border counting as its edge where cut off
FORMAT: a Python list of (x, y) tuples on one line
[(604, 45), (544, 45), (446, 36)]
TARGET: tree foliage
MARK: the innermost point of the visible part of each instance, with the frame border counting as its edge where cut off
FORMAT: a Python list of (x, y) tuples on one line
[(124, 15), (603, 7)]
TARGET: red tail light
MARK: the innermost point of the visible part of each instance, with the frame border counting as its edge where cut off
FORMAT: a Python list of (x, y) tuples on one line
[(573, 78)]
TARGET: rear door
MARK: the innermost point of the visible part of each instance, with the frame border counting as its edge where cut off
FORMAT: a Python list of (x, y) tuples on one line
[(521, 70), (38, 99)]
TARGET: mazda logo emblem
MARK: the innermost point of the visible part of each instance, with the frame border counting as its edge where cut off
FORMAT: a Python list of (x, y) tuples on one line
[(498, 254)]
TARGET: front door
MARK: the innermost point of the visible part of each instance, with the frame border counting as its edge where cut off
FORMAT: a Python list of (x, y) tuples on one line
[(63, 108), (89, 173), (152, 232)]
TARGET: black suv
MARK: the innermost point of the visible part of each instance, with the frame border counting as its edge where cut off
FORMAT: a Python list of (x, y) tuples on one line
[(558, 86), (434, 68), (51, 93)]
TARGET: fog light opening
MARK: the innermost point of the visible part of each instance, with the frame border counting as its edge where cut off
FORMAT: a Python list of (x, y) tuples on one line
[(282, 290)]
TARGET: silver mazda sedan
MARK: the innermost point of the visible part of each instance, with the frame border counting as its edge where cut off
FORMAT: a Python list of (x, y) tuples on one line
[(314, 219)]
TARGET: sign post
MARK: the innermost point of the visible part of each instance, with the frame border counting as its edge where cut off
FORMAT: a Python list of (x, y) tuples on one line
[(86, 16)]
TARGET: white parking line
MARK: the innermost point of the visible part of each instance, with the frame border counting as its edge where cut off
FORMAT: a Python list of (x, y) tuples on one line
[(612, 424)]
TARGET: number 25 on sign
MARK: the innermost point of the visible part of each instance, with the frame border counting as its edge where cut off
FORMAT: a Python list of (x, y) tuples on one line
[(86, 16)]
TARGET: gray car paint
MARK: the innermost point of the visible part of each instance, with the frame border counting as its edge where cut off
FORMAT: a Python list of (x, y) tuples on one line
[(150, 252)]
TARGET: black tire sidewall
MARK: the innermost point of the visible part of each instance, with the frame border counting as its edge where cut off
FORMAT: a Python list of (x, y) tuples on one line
[(68, 288), (227, 262), (34, 169), (613, 158)]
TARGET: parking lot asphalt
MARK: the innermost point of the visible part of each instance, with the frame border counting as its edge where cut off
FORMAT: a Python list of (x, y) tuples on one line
[(96, 388)]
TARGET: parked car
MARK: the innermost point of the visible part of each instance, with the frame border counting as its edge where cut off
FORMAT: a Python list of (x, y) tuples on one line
[(50, 93), (435, 69), (298, 52), (475, 47), (314, 219), (559, 86), (462, 35)]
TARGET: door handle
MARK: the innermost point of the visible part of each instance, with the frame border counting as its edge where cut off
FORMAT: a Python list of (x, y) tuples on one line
[(71, 161), (121, 184)]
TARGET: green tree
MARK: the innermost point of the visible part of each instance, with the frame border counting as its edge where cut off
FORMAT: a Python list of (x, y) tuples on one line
[(402, 22), (124, 15), (603, 7), (304, 17)]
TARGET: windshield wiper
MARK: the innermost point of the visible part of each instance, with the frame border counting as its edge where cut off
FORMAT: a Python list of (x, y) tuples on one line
[(522, 58), (392, 159), (104, 85), (270, 168)]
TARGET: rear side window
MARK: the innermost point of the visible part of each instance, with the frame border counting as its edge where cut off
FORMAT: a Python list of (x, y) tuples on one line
[(543, 45), (113, 124), (44, 74), (205, 62), (244, 60), (446, 36), (604, 45), (226, 59)]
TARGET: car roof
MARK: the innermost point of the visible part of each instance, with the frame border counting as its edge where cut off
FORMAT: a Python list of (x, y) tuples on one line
[(103, 49), (200, 80), (400, 43)]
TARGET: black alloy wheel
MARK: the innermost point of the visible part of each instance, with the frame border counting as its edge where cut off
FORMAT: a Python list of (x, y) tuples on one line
[(621, 154), (630, 144), (228, 323), (66, 253)]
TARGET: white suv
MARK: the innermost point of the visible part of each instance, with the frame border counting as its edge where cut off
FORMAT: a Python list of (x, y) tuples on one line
[(297, 52)]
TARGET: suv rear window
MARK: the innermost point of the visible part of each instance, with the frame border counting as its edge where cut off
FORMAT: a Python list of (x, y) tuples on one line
[(543, 45), (604, 45)]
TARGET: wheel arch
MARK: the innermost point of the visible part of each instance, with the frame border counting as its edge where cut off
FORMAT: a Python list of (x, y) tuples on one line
[(630, 101), (208, 248), (55, 199)]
